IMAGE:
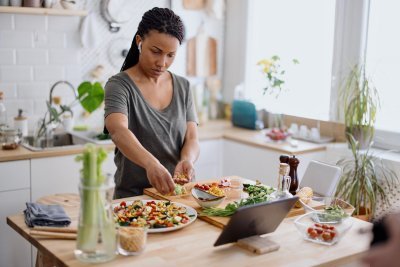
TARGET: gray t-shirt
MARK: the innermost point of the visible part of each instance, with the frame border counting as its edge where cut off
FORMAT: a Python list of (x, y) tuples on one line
[(161, 132)]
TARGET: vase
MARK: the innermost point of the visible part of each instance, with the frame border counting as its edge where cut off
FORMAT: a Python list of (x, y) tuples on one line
[(96, 241)]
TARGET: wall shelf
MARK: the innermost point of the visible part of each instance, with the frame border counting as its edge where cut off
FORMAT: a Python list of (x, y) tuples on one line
[(42, 11)]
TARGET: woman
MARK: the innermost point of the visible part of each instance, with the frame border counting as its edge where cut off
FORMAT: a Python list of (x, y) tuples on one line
[(149, 111)]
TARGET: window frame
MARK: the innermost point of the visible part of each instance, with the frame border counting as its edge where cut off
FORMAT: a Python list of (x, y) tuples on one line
[(350, 47)]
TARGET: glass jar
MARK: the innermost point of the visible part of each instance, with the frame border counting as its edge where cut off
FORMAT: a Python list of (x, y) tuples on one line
[(10, 139), (97, 239)]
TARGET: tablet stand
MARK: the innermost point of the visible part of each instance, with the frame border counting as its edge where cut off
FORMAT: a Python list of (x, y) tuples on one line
[(258, 244)]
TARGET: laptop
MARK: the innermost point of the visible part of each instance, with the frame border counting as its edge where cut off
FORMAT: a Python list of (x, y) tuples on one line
[(257, 219)]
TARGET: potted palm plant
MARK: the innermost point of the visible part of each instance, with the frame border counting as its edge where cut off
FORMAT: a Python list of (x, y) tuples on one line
[(363, 178), (364, 174)]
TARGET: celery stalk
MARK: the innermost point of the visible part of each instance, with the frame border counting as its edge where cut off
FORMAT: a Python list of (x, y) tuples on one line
[(94, 223)]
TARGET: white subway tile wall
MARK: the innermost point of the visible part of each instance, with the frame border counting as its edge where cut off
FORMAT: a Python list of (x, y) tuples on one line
[(6, 22), (7, 56), (34, 54)]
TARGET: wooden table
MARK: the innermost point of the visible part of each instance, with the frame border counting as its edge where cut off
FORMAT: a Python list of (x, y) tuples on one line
[(193, 245)]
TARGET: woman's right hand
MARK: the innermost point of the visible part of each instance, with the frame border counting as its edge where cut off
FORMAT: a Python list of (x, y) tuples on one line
[(160, 178)]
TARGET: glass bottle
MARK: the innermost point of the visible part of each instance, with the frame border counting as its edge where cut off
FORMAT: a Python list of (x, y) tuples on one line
[(283, 182), (97, 240)]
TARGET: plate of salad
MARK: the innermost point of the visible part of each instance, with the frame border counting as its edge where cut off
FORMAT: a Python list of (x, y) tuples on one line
[(157, 215)]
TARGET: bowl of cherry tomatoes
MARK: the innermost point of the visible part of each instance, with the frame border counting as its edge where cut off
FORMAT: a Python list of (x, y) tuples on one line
[(321, 233), (277, 134)]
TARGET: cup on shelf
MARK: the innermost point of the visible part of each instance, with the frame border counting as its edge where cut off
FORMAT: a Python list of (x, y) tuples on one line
[(314, 134), (33, 3), (48, 3), (303, 132), (16, 2), (294, 129), (4, 2)]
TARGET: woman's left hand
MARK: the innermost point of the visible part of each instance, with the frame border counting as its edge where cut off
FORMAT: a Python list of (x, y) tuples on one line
[(186, 168)]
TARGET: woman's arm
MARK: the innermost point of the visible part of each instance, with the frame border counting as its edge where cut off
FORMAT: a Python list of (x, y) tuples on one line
[(129, 145), (189, 153)]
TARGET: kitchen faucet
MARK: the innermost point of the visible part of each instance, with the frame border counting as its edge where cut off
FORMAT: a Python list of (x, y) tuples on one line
[(56, 84)]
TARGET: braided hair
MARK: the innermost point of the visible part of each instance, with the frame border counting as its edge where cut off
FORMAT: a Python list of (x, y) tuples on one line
[(163, 20)]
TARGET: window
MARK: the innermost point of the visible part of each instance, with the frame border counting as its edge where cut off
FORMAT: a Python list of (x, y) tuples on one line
[(383, 57), (302, 30)]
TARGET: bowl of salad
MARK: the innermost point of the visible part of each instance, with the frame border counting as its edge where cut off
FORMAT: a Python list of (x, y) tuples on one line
[(321, 233), (328, 209)]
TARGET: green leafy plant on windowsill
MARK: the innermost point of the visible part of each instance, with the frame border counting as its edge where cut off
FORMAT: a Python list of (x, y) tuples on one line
[(360, 102), (90, 96)]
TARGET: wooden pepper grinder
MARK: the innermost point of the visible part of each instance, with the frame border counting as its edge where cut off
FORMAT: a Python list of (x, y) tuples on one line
[(294, 183)]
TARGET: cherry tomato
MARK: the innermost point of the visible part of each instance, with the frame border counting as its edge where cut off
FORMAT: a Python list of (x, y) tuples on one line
[(326, 236), (332, 233), (309, 229), (318, 225), (313, 234), (319, 230), (122, 204)]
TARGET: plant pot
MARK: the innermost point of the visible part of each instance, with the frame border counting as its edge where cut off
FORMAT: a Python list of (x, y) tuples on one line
[(361, 133), (364, 214)]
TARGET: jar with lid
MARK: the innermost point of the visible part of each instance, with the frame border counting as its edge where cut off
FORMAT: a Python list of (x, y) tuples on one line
[(10, 139)]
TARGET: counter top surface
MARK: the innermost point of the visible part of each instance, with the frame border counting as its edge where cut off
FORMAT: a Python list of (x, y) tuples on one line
[(193, 245), (210, 131)]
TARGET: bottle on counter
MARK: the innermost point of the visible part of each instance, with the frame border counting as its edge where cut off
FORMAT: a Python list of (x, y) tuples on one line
[(283, 183), (21, 123), (294, 183), (3, 112)]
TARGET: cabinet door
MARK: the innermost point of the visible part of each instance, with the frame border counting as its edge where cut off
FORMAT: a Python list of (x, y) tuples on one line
[(14, 249), (250, 162), (14, 175), (54, 175), (109, 165), (208, 165)]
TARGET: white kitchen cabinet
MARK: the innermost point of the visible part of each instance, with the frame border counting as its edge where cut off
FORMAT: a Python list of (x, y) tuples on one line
[(257, 163), (60, 174), (109, 165), (54, 175), (209, 163), (14, 193)]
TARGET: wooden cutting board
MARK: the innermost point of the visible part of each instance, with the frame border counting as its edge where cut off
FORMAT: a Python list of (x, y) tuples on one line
[(216, 221)]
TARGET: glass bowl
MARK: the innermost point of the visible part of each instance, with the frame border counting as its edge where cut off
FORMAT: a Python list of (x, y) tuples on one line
[(330, 209), (324, 234)]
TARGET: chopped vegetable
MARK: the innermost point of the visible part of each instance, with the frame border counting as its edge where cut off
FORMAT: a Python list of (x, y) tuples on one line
[(332, 214), (257, 194)]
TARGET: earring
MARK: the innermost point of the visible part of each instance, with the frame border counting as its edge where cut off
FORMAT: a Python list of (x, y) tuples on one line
[(140, 47)]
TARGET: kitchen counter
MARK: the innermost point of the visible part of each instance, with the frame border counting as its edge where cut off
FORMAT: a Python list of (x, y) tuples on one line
[(211, 130), (193, 245)]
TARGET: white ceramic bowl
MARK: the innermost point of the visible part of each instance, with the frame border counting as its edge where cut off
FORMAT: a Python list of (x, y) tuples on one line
[(306, 221), (206, 200)]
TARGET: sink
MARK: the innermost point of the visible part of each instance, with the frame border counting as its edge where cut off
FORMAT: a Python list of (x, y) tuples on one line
[(95, 137), (59, 141)]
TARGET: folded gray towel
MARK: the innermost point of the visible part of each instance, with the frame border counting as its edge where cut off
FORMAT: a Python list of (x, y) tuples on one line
[(45, 215)]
